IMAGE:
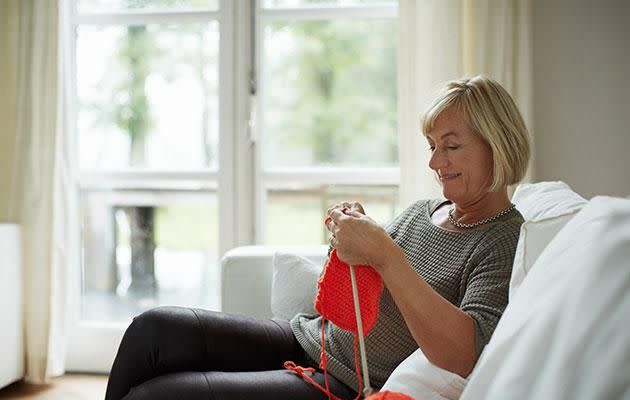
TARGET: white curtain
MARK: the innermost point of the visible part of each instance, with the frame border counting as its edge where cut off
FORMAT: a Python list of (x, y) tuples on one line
[(441, 40), (41, 192)]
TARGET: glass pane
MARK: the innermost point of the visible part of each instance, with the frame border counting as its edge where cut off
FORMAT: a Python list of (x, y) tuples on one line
[(330, 93), (296, 216), (327, 3), (148, 96), (143, 249), (120, 5)]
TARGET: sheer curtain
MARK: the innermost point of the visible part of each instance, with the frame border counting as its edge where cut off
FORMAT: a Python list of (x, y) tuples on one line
[(40, 194), (442, 40)]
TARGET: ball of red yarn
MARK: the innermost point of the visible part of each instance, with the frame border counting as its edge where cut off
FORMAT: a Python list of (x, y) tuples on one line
[(334, 299), (387, 395)]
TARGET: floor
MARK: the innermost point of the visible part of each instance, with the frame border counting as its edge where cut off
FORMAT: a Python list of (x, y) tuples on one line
[(67, 387)]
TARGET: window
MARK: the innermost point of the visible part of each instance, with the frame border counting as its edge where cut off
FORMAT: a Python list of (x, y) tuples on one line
[(149, 154), (207, 124), (327, 96)]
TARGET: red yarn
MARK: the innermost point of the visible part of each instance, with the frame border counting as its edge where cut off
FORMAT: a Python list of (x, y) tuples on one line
[(301, 372)]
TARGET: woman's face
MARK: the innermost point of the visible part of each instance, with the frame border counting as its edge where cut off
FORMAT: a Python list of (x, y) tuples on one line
[(461, 159)]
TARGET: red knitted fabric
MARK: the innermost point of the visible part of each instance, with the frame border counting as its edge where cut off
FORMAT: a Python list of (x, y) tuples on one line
[(334, 300)]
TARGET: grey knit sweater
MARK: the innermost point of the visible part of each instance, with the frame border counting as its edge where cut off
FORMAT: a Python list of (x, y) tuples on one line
[(470, 269)]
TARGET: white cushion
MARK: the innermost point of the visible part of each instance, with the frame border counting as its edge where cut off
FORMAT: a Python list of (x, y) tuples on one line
[(563, 336), (542, 200), (417, 377), (546, 208), (293, 285)]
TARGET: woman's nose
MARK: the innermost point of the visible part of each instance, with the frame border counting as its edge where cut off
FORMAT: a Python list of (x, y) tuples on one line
[(437, 160)]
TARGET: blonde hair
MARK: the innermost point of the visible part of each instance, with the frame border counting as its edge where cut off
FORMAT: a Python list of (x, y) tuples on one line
[(491, 113)]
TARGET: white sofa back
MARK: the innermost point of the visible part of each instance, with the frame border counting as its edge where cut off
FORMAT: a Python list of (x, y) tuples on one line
[(564, 334)]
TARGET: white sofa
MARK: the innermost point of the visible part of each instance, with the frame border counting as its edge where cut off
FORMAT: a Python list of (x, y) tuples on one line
[(11, 338), (564, 332), (246, 276)]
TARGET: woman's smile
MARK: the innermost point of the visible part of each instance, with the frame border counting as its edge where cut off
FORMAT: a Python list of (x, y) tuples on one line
[(449, 177)]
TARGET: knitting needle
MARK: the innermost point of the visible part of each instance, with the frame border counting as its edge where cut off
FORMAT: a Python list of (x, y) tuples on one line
[(367, 390)]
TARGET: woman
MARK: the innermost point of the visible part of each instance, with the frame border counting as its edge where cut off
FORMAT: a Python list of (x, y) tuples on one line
[(446, 266)]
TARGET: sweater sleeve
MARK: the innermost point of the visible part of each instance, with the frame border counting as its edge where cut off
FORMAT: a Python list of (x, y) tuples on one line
[(487, 281)]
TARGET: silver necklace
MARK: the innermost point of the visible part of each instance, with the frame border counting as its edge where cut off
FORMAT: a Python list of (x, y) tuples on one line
[(462, 225)]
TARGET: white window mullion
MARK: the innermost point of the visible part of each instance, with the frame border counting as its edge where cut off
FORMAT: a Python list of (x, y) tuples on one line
[(329, 13), (148, 17), (333, 176), (172, 180), (227, 154), (260, 183), (243, 214)]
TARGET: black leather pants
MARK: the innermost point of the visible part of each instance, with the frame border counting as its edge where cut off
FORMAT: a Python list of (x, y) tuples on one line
[(194, 354)]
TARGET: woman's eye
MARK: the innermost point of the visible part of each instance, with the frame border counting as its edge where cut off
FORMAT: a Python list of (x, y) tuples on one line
[(431, 148), (452, 147)]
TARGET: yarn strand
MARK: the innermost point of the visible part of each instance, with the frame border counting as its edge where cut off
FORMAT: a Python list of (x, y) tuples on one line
[(301, 372), (322, 363)]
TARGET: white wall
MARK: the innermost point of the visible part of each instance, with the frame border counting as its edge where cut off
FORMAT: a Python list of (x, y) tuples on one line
[(582, 94)]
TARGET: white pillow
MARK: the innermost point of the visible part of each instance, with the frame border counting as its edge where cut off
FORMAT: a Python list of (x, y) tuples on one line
[(542, 200), (563, 336), (417, 377), (546, 207), (293, 285)]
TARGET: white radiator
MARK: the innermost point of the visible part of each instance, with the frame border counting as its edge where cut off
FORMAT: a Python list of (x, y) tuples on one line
[(11, 326)]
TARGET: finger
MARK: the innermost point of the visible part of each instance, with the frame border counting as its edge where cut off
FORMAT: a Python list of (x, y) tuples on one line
[(336, 215), (332, 240), (358, 207), (334, 207), (330, 225), (355, 213)]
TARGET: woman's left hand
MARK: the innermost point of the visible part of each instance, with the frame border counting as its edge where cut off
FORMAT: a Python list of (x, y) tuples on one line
[(359, 239)]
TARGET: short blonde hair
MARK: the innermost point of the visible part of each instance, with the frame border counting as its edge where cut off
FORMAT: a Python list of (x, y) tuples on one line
[(491, 113)]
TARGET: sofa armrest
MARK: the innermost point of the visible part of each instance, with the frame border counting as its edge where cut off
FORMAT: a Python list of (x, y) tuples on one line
[(246, 274)]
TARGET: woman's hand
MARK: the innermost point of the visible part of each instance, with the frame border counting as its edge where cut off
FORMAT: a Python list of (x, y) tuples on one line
[(343, 206), (359, 239)]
